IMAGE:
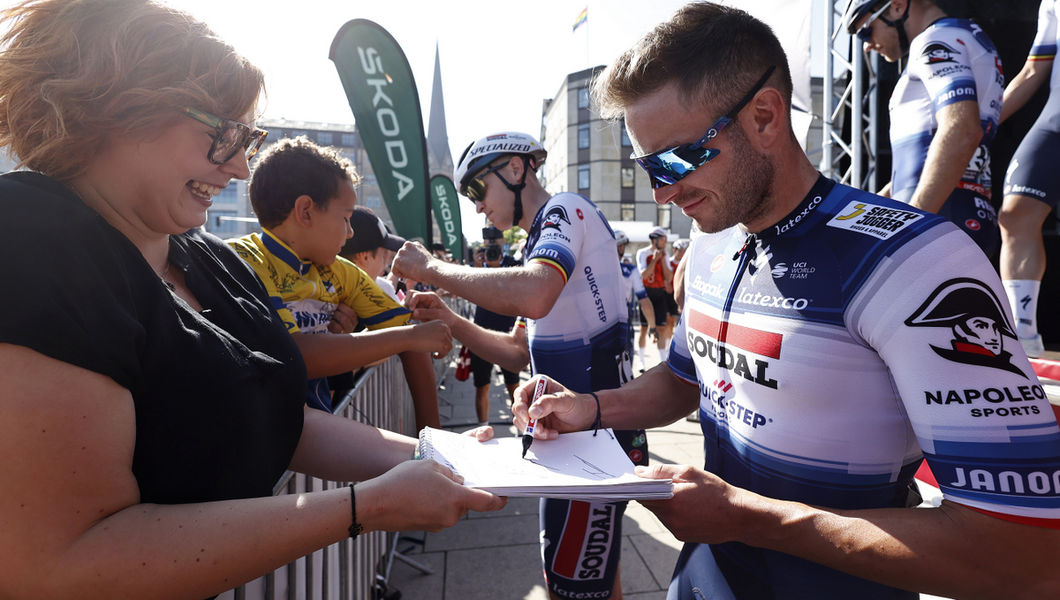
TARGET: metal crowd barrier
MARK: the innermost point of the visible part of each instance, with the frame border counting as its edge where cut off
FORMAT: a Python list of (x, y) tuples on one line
[(348, 570)]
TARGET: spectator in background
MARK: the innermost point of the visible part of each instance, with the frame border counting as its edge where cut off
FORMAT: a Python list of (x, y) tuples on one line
[(150, 398), (492, 256), (372, 247), (655, 271), (303, 195), (1032, 183)]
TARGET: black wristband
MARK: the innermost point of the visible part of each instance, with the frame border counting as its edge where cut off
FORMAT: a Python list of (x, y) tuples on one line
[(355, 527), (597, 423)]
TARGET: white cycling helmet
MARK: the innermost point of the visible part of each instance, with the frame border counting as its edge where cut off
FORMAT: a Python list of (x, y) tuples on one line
[(621, 237), (658, 232), (680, 244), (856, 9), (483, 152)]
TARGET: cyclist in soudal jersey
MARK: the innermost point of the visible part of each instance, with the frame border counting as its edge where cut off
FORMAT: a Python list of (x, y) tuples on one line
[(1032, 182), (831, 340), (577, 327), (944, 110), (635, 295)]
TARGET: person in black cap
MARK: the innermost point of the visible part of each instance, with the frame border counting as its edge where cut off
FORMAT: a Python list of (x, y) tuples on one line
[(372, 247)]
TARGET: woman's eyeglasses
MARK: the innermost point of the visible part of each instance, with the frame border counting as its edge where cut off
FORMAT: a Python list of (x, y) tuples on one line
[(669, 166), (231, 137)]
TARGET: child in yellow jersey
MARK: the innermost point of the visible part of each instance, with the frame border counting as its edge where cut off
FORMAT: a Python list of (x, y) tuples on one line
[(303, 195)]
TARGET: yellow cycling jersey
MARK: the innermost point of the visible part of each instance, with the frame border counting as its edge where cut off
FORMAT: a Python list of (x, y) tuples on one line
[(305, 294)]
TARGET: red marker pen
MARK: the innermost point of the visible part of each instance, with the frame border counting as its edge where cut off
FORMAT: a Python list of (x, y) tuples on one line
[(528, 434)]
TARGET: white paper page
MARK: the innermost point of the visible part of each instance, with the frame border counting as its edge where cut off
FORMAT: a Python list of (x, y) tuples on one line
[(573, 460)]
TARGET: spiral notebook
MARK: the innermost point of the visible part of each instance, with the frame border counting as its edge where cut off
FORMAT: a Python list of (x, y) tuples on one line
[(575, 466)]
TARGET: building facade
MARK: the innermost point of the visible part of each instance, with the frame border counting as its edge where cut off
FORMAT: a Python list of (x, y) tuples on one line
[(231, 214), (591, 156)]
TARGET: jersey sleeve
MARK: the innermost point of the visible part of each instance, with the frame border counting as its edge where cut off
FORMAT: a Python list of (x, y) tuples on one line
[(943, 63), (562, 234), (374, 307), (252, 255), (642, 260), (936, 314), (1044, 46)]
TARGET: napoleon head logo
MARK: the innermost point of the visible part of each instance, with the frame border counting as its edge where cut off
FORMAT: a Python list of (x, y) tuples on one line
[(937, 52), (977, 321), (553, 217)]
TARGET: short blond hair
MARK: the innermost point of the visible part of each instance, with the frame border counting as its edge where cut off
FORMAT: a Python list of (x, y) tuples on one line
[(73, 73)]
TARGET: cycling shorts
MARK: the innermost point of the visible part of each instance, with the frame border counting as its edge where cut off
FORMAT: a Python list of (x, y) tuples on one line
[(481, 370), (657, 297), (1032, 171), (582, 541), (973, 213)]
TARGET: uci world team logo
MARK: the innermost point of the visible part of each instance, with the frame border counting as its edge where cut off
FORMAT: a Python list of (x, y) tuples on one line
[(977, 322), (554, 217)]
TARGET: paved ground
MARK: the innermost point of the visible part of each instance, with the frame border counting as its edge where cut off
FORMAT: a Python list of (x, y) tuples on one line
[(495, 555)]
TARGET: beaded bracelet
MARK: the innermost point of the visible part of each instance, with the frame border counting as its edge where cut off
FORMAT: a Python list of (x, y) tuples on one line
[(597, 423)]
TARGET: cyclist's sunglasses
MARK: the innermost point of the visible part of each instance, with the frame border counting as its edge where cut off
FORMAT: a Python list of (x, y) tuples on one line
[(669, 166)]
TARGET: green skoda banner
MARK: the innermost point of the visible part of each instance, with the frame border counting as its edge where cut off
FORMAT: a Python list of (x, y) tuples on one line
[(447, 214), (386, 106)]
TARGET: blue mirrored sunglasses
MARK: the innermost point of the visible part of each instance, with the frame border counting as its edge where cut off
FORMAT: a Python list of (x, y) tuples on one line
[(671, 165), (864, 32)]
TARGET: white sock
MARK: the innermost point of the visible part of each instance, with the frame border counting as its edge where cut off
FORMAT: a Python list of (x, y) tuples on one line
[(640, 353), (1023, 298), (662, 354)]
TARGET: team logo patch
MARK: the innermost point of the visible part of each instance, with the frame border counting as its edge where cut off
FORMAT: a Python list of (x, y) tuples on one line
[(871, 219), (977, 321), (578, 211), (972, 224), (937, 52), (716, 264), (554, 217)]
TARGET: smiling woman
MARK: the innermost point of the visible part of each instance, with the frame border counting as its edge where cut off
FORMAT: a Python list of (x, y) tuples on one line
[(150, 396)]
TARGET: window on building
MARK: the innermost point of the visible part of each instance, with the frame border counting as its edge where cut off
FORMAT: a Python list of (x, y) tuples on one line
[(349, 140), (583, 137), (627, 177), (325, 138), (583, 177), (628, 212), (625, 137), (663, 214), (583, 97), (220, 224)]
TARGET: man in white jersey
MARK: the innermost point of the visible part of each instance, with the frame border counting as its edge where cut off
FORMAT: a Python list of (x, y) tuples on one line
[(570, 291), (831, 340), (944, 110), (1032, 182)]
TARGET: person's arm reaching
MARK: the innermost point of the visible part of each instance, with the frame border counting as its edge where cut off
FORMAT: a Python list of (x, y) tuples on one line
[(509, 350), (922, 549), (72, 524), (529, 291), (330, 354), (952, 148), (1038, 66), (419, 376)]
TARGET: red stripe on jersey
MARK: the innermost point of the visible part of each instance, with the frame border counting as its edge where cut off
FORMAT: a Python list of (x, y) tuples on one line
[(570, 544), (763, 343), (1032, 521)]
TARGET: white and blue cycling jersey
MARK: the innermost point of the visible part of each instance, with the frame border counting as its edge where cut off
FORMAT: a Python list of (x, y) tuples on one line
[(848, 341), (581, 341), (950, 61), (1044, 49)]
